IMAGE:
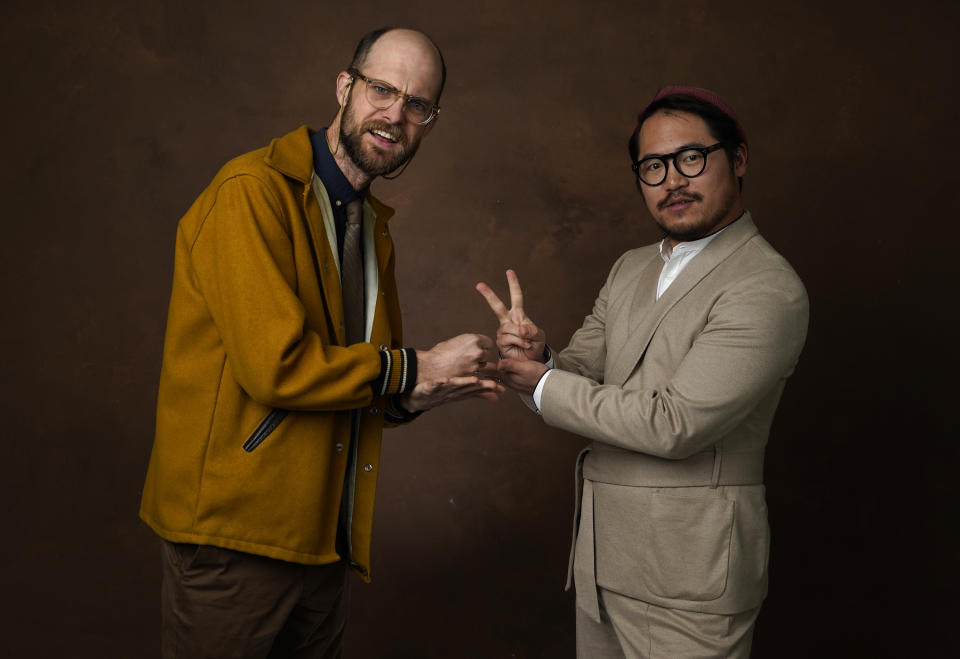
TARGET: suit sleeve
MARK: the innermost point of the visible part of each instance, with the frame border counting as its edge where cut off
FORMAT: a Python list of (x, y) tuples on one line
[(586, 353), (751, 341), (244, 264)]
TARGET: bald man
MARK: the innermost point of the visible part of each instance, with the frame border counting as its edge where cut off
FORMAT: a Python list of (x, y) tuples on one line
[(282, 363)]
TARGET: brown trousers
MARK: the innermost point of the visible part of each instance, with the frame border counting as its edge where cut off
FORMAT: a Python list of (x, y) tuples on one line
[(220, 603), (633, 629)]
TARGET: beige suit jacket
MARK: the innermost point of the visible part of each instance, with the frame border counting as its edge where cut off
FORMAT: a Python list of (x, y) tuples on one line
[(678, 395)]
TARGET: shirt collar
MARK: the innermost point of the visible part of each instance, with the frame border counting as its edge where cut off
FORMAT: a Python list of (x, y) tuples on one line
[(690, 245), (334, 182)]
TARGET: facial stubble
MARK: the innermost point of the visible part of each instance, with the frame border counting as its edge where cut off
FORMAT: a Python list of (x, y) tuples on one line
[(369, 161)]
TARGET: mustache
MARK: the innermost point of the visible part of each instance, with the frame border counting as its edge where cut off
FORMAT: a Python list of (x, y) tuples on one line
[(393, 131), (679, 196)]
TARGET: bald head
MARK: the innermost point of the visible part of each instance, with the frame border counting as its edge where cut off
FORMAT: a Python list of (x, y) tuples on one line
[(414, 50)]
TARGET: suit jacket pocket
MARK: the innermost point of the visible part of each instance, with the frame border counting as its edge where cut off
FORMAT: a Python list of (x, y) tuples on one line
[(672, 547)]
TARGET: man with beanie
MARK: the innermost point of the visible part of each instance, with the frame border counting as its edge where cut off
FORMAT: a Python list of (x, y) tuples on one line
[(675, 375), (283, 361)]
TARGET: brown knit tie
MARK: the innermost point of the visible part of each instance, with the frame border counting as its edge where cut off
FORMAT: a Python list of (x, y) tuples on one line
[(351, 274)]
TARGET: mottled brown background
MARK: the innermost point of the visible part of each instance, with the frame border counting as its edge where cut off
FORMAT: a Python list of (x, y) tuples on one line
[(116, 114)]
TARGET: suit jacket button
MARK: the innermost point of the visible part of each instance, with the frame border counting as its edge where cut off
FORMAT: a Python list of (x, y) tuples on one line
[(368, 467), (374, 410), (339, 447)]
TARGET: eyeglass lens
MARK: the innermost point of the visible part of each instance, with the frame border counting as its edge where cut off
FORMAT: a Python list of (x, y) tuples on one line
[(689, 163), (381, 95)]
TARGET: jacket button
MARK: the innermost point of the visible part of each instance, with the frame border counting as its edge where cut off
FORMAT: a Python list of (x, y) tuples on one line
[(383, 347), (326, 264), (374, 410), (339, 447), (368, 467)]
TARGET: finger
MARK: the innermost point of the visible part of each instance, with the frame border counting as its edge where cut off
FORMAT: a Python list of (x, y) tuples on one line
[(506, 365), (472, 385), (496, 304), (487, 384), (486, 395), (515, 378), (508, 341), (523, 332), (486, 343), (516, 384), (516, 294), (483, 389), (461, 381)]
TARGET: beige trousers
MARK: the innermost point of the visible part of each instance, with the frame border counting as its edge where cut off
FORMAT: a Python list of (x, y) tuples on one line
[(631, 629)]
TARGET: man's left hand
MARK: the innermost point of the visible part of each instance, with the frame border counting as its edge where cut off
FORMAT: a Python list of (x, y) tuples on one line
[(432, 393), (521, 374)]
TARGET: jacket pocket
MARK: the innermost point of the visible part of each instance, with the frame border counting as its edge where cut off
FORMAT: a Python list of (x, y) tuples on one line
[(267, 426), (687, 548), (179, 555), (666, 546)]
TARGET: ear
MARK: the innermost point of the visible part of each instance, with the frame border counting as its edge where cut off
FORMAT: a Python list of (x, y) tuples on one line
[(429, 127), (344, 81), (740, 157)]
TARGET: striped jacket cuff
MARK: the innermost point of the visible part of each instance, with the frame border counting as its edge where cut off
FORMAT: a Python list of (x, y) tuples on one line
[(398, 371), (395, 413)]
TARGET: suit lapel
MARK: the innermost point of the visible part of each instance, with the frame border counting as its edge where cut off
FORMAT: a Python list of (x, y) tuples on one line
[(647, 313)]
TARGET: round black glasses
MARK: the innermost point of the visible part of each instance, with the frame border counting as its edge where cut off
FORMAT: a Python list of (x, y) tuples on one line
[(690, 162)]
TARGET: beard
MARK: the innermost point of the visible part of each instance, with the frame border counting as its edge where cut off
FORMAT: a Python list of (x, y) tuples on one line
[(701, 228), (372, 161)]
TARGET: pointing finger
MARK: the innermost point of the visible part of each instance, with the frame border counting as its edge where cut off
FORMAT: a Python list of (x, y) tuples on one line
[(516, 294), (496, 304)]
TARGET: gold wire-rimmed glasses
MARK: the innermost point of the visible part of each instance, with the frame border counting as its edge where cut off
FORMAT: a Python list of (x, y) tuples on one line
[(382, 95)]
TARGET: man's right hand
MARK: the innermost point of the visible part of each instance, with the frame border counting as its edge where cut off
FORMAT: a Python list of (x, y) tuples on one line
[(458, 368), (463, 355), (517, 337)]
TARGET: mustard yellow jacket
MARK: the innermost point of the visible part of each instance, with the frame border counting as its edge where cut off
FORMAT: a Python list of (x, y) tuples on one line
[(255, 355)]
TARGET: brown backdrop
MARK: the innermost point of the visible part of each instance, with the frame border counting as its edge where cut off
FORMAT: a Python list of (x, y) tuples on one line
[(116, 115)]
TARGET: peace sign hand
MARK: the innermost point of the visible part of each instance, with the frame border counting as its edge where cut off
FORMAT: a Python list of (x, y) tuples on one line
[(517, 337)]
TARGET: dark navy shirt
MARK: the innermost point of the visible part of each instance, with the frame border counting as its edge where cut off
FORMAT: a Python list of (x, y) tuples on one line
[(336, 184)]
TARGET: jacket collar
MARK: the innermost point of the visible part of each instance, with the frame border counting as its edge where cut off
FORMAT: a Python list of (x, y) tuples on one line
[(292, 154), (647, 312)]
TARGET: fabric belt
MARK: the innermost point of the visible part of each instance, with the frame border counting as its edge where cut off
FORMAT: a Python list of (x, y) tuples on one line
[(708, 469), (582, 573)]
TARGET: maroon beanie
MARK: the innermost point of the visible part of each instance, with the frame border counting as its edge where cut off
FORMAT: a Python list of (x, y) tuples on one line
[(704, 95)]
